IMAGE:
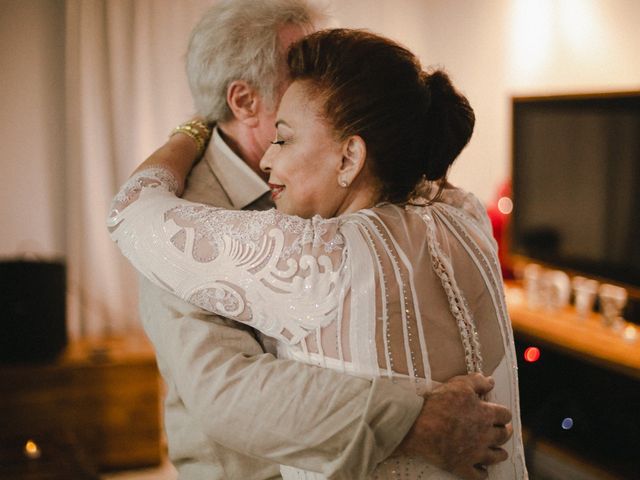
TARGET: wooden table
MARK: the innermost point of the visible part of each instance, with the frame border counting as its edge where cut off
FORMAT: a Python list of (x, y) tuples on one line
[(103, 394), (585, 369), (585, 338)]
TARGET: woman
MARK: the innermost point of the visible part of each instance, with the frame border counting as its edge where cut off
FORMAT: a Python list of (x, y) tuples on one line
[(372, 263)]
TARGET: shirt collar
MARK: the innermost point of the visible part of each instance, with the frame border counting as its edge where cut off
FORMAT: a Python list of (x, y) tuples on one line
[(242, 185)]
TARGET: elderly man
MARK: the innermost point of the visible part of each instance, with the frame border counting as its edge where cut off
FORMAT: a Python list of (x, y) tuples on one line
[(233, 411)]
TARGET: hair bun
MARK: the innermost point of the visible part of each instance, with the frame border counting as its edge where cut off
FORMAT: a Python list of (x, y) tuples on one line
[(449, 123), (438, 82)]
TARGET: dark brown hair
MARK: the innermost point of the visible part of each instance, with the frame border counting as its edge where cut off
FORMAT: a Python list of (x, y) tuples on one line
[(414, 123)]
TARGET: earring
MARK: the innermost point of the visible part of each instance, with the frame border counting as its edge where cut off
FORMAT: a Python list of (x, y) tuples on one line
[(343, 183)]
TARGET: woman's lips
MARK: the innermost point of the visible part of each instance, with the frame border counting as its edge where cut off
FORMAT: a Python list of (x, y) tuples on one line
[(276, 190)]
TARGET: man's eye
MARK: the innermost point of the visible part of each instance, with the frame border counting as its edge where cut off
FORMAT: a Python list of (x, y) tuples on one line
[(278, 142)]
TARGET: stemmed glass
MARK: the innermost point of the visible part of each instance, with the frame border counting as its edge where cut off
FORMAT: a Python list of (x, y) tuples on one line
[(612, 301)]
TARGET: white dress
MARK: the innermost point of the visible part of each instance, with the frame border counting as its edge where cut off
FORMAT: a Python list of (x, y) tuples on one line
[(411, 293)]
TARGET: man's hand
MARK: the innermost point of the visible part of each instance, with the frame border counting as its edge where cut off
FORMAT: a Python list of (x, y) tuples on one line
[(458, 431)]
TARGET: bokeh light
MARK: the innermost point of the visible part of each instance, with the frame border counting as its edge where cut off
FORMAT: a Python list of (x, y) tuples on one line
[(31, 449), (567, 423), (630, 333), (505, 205), (532, 354)]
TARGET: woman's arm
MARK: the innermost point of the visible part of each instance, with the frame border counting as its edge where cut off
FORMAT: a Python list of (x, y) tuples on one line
[(279, 273), (185, 145)]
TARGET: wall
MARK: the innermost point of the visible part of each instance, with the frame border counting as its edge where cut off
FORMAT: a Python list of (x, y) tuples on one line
[(32, 127), (498, 48), (492, 49)]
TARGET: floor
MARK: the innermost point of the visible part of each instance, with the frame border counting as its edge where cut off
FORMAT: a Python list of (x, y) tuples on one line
[(164, 472)]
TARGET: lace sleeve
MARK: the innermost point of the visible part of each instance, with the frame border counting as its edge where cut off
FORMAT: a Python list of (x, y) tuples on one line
[(149, 178), (279, 273)]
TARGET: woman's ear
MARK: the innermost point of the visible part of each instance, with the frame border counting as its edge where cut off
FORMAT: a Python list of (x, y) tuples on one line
[(244, 102), (354, 154)]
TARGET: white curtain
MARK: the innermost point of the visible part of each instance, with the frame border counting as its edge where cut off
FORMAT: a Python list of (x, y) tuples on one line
[(125, 90)]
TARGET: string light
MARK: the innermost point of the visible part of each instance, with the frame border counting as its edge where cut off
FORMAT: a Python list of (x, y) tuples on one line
[(567, 423)]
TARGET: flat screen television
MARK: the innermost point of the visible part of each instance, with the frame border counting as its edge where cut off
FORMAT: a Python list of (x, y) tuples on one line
[(576, 183)]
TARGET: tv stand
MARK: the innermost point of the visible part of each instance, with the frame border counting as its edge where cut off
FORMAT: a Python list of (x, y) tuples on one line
[(586, 339), (587, 378)]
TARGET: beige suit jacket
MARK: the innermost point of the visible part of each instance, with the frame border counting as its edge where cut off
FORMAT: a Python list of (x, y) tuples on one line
[(235, 412)]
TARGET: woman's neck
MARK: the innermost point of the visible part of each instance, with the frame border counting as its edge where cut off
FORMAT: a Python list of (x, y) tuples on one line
[(363, 194)]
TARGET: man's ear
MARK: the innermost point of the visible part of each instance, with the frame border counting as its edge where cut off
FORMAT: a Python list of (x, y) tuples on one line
[(244, 102), (354, 154)]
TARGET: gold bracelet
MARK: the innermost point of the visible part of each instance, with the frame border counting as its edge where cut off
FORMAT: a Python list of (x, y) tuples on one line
[(199, 132), (202, 126)]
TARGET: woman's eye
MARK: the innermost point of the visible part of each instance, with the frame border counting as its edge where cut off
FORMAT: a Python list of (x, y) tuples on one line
[(278, 142)]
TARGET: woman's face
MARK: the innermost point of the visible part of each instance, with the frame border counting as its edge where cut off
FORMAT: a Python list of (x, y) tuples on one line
[(303, 166)]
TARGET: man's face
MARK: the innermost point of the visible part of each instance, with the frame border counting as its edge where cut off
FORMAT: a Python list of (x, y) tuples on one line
[(266, 132)]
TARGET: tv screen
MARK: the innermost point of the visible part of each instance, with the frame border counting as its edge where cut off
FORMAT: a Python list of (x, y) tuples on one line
[(576, 183)]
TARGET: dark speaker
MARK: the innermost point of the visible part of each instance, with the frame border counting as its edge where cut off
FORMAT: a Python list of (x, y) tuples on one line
[(32, 311)]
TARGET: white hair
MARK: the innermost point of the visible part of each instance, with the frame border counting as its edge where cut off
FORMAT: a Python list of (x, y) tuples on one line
[(238, 40)]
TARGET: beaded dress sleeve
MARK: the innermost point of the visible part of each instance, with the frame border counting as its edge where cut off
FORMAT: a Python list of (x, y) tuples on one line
[(276, 272)]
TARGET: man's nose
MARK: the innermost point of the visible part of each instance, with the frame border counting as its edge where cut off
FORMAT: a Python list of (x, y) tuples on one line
[(266, 160)]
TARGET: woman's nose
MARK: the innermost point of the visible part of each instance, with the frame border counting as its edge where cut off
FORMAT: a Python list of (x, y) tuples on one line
[(266, 160)]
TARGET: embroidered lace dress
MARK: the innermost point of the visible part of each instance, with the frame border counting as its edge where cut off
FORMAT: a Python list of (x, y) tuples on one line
[(410, 293)]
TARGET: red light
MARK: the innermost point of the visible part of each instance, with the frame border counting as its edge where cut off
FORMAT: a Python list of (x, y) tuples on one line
[(532, 354)]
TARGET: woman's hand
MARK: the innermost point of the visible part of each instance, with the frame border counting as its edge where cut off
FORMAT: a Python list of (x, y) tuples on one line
[(185, 145)]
